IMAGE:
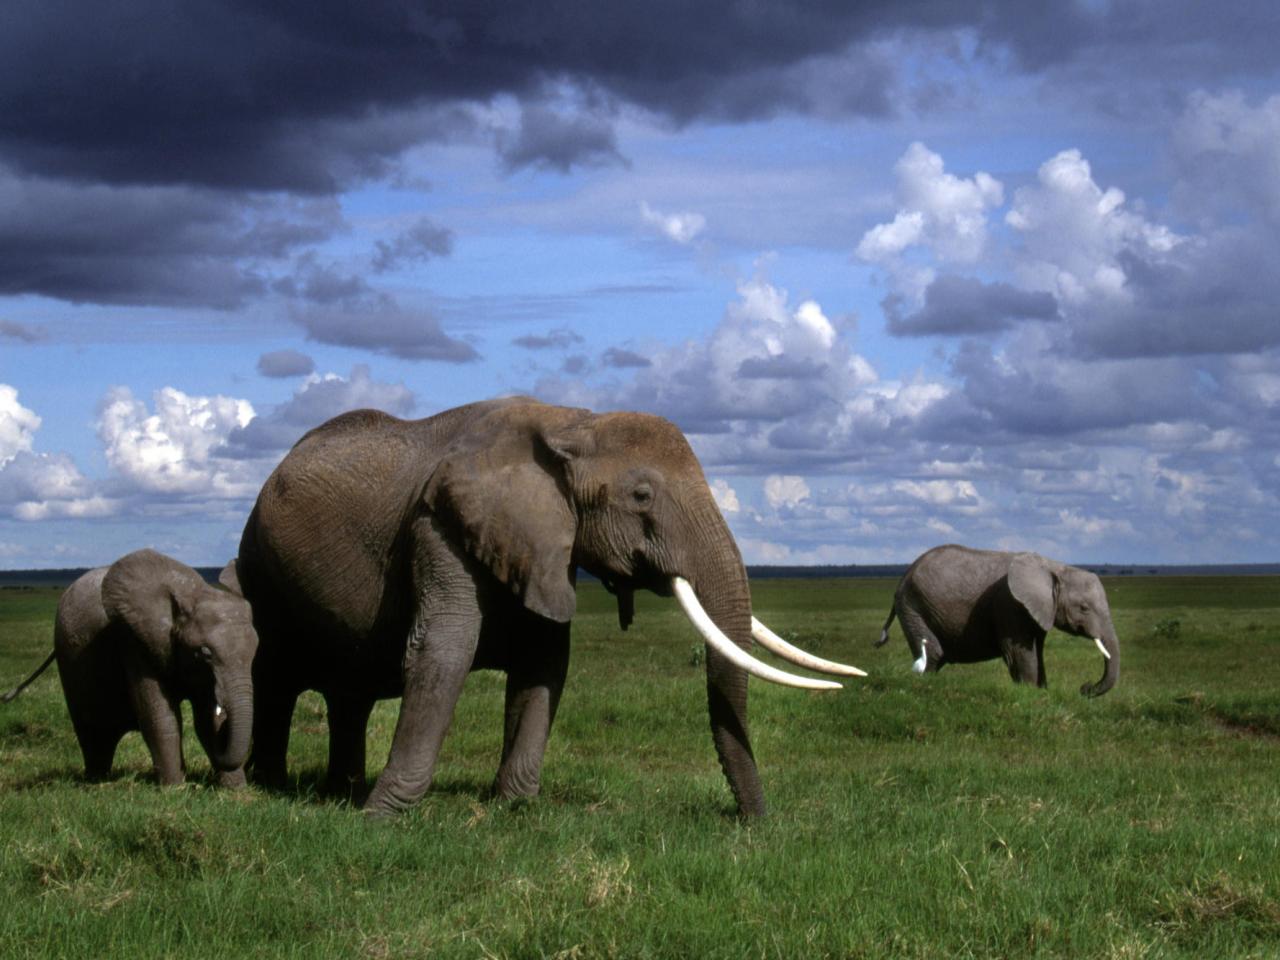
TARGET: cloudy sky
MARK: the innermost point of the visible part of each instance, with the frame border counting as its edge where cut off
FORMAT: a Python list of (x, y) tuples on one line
[(1000, 273)]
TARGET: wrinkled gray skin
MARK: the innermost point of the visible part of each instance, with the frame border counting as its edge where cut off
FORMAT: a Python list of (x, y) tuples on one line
[(958, 605), (387, 556), (133, 641)]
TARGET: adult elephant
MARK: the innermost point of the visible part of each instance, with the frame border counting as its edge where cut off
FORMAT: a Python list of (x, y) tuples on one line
[(960, 605), (387, 557)]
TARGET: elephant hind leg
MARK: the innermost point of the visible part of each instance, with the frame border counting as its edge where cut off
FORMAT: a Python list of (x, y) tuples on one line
[(926, 651), (348, 731), (534, 685), (98, 747)]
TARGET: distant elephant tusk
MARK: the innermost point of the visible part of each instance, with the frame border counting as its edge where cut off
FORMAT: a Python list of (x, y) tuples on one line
[(1098, 643), (731, 651), (775, 644)]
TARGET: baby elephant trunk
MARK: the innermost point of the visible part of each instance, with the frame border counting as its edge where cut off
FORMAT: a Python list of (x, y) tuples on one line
[(1109, 646), (232, 726)]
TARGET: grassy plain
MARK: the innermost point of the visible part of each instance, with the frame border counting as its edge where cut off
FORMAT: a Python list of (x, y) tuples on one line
[(953, 816)]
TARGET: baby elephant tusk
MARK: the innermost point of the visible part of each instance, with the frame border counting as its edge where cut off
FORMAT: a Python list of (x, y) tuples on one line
[(218, 711), (775, 644), (731, 651), (1098, 643)]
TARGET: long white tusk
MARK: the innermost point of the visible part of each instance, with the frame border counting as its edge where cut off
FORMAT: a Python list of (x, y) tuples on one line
[(731, 651), (775, 644), (1098, 643)]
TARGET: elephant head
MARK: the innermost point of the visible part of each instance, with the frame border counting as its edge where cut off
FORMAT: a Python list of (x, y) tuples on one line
[(539, 490), (199, 636), (1073, 601)]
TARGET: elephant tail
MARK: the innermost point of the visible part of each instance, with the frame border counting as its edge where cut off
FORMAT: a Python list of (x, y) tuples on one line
[(884, 631), (25, 683)]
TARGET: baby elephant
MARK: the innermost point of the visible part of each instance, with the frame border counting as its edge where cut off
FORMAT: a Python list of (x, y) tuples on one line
[(133, 641), (958, 605)]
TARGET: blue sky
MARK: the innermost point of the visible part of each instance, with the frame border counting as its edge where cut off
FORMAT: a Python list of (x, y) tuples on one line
[(905, 275)]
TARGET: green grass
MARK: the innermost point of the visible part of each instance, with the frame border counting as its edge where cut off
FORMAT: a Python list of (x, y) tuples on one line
[(951, 816)]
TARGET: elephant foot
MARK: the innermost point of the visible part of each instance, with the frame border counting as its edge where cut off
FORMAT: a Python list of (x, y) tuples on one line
[(344, 788), (270, 778), (231, 779), (389, 800)]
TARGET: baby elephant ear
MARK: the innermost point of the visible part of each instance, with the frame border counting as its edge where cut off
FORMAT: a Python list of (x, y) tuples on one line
[(230, 577), (151, 594), (1031, 583), (504, 490)]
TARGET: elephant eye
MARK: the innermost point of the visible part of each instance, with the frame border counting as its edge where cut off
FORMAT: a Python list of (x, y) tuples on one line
[(642, 495)]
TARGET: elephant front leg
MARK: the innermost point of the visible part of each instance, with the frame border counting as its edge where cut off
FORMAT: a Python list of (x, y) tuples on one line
[(436, 666), (272, 716), (535, 680), (160, 720), (440, 652), (1024, 656)]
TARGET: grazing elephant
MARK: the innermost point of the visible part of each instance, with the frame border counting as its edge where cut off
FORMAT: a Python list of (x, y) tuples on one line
[(135, 639), (958, 605), (387, 557)]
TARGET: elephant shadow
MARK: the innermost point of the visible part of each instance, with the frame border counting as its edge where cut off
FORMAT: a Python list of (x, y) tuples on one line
[(310, 785)]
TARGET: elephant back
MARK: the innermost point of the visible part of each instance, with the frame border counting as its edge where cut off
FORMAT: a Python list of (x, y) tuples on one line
[(81, 616)]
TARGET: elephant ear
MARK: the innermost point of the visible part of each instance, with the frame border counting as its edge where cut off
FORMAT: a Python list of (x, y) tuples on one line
[(504, 488), (1032, 584), (153, 595), (230, 577)]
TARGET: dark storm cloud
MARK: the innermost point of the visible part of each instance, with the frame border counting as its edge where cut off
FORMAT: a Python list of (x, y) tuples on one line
[(1221, 296), (422, 241), (231, 106), (555, 140), (559, 339), (285, 363), (305, 97), (965, 305), (17, 331), (1038, 389), (621, 359), (152, 246), (575, 366), (779, 368), (380, 324)]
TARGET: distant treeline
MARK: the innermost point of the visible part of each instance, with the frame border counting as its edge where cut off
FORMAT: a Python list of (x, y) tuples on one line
[(10, 579)]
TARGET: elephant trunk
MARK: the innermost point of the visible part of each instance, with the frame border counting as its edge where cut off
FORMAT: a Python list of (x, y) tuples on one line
[(720, 583), (232, 730), (1110, 647)]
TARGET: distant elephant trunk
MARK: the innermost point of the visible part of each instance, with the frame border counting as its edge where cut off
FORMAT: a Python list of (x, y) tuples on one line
[(720, 581), (1111, 669), (229, 745)]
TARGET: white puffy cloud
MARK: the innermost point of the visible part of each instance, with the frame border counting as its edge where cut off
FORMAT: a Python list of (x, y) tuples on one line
[(319, 398), (34, 486), (1076, 234), (682, 228), (785, 491), (171, 451), (939, 210), (18, 425), (725, 496)]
